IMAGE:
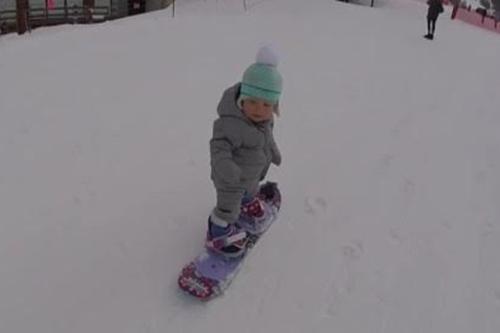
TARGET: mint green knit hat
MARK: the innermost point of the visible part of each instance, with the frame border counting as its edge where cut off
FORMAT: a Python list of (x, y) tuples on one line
[(262, 80)]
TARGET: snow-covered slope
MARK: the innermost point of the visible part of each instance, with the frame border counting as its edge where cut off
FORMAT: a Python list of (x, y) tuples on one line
[(390, 175)]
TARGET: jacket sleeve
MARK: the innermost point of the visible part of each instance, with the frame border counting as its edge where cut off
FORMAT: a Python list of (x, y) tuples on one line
[(276, 154), (222, 144)]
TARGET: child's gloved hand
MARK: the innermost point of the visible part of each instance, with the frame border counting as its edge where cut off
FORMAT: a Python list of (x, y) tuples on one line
[(253, 208)]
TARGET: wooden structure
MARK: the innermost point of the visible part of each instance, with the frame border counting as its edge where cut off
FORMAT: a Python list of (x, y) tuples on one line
[(24, 17), (371, 2)]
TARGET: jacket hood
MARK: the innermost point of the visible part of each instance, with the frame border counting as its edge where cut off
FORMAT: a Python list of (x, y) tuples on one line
[(228, 104)]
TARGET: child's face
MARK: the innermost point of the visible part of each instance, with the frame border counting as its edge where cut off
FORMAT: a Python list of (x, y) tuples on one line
[(257, 110)]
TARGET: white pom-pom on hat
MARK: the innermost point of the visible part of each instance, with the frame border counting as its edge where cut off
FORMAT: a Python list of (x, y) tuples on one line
[(267, 55)]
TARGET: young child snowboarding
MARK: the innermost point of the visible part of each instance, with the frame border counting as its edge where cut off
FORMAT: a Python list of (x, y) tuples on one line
[(242, 149), (435, 8)]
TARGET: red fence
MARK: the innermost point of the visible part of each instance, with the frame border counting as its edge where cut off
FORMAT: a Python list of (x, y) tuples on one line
[(475, 18)]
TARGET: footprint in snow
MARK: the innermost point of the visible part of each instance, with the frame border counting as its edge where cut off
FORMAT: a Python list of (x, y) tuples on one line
[(313, 205), (353, 251)]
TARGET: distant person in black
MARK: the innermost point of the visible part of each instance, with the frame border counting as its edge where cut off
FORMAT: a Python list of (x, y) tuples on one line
[(435, 8)]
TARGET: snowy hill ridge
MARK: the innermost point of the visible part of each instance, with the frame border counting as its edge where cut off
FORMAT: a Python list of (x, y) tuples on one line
[(390, 174)]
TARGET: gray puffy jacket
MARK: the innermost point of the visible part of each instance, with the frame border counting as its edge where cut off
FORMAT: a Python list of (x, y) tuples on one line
[(240, 151)]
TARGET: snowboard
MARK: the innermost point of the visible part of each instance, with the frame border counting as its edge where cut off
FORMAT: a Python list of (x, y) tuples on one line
[(209, 274)]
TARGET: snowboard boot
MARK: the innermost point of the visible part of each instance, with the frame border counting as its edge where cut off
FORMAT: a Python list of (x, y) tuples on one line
[(255, 212), (270, 192), (229, 241)]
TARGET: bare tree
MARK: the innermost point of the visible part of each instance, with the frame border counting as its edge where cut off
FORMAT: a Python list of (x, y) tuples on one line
[(486, 4)]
